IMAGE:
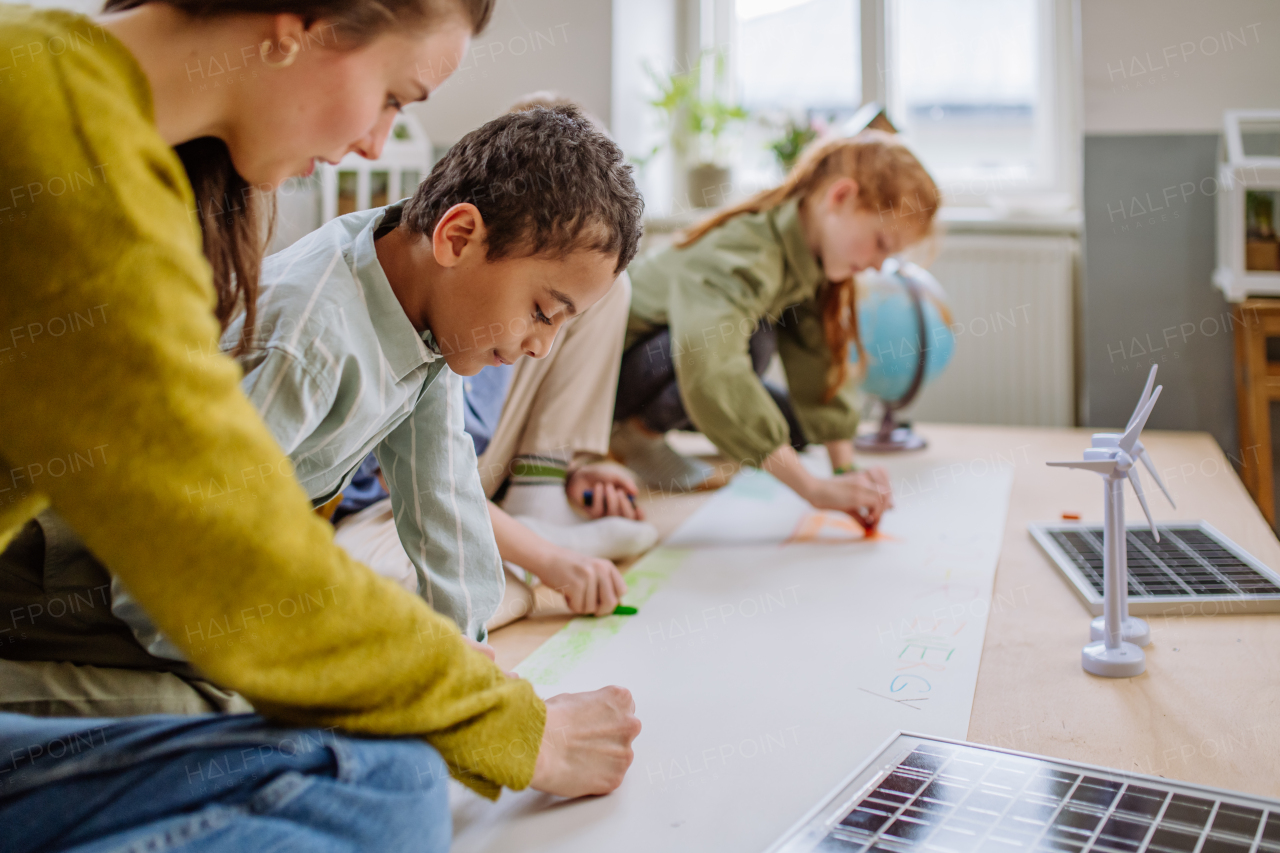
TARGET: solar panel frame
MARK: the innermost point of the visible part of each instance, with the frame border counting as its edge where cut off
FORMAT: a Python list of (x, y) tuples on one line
[(1185, 577), (895, 802)]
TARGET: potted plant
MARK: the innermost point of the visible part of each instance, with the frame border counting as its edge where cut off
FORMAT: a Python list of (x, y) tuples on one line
[(696, 118), (1262, 252), (787, 147)]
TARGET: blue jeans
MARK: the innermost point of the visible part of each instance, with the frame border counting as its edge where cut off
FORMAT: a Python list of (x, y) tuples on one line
[(215, 783)]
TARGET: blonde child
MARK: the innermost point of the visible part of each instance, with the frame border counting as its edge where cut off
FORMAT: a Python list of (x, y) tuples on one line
[(772, 274)]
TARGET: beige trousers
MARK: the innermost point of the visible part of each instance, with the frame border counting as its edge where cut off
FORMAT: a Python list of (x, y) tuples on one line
[(370, 537), (562, 405)]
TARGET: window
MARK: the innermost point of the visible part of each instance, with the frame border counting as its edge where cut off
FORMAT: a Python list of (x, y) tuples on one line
[(968, 84), (798, 54), (793, 62), (981, 89)]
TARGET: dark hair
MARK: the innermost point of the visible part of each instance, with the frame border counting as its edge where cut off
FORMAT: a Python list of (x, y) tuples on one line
[(545, 180), (236, 218)]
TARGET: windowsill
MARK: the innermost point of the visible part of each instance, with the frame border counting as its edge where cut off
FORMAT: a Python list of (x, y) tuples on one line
[(954, 220), (989, 220)]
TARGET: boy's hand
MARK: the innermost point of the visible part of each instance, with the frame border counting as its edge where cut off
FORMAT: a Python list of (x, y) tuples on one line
[(589, 584), (613, 491), (868, 492), (586, 744)]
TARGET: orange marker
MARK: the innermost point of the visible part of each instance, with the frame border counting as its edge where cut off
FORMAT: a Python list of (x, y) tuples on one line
[(1071, 516), (868, 526)]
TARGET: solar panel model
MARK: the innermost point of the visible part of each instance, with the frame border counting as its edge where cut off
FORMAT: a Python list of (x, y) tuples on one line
[(922, 794), (1192, 562)]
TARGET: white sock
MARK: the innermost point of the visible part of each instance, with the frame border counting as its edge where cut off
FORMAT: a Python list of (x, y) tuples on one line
[(537, 490), (611, 538), (543, 501)]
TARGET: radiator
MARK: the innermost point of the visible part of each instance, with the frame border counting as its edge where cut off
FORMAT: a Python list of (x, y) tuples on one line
[(1013, 301)]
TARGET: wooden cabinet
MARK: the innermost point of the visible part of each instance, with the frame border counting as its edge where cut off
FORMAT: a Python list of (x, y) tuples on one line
[(1257, 385)]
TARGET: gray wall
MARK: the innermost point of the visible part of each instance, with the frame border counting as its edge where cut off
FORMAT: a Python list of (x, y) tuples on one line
[(1149, 208), (1156, 77)]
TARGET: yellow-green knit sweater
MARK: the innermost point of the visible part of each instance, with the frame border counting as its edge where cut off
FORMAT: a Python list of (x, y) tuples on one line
[(117, 410)]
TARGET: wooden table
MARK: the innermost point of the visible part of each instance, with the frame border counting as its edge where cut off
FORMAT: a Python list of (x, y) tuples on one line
[(1207, 709), (1257, 387)]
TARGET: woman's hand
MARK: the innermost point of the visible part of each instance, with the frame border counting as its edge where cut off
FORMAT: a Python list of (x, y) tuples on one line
[(589, 584), (867, 492), (586, 743), (612, 488)]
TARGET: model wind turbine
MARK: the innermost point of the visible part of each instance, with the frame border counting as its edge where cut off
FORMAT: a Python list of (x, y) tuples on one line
[(1116, 636)]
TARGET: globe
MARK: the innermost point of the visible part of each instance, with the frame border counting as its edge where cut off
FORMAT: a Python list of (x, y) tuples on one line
[(890, 329)]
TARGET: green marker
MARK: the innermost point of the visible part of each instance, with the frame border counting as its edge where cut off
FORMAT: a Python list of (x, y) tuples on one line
[(622, 610)]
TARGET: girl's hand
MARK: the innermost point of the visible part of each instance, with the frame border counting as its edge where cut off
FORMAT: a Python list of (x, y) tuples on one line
[(868, 492), (588, 584), (612, 490)]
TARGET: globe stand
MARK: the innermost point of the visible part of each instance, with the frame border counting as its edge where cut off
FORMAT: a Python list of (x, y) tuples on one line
[(893, 435)]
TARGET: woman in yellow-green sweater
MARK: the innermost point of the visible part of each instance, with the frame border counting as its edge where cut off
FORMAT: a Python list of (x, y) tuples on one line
[(121, 416)]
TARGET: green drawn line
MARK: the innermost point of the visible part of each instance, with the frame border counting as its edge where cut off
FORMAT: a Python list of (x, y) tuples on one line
[(579, 637)]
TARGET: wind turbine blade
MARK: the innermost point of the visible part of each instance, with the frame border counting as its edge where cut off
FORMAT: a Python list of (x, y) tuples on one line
[(1151, 469), (1142, 499), (1130, 437), (1102, 466), (1146, 395)]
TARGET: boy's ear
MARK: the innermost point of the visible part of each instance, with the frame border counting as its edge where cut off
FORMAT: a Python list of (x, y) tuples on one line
[(842, 191), (460, 231)]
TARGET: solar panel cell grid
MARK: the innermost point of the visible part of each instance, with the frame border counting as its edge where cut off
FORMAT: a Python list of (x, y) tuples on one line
[(965, 800), (1186, 561)]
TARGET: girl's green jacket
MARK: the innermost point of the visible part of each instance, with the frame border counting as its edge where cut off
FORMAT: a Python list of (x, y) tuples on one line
[(713, 295)]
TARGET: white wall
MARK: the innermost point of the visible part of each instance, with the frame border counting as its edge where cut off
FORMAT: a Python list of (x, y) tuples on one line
[(1173, 66), (564, 45), (644, 32)]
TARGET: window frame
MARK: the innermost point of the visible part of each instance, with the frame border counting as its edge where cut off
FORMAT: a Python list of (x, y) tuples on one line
[(711, 23)]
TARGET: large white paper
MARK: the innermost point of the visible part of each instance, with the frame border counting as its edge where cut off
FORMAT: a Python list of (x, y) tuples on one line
[(774, 650)]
